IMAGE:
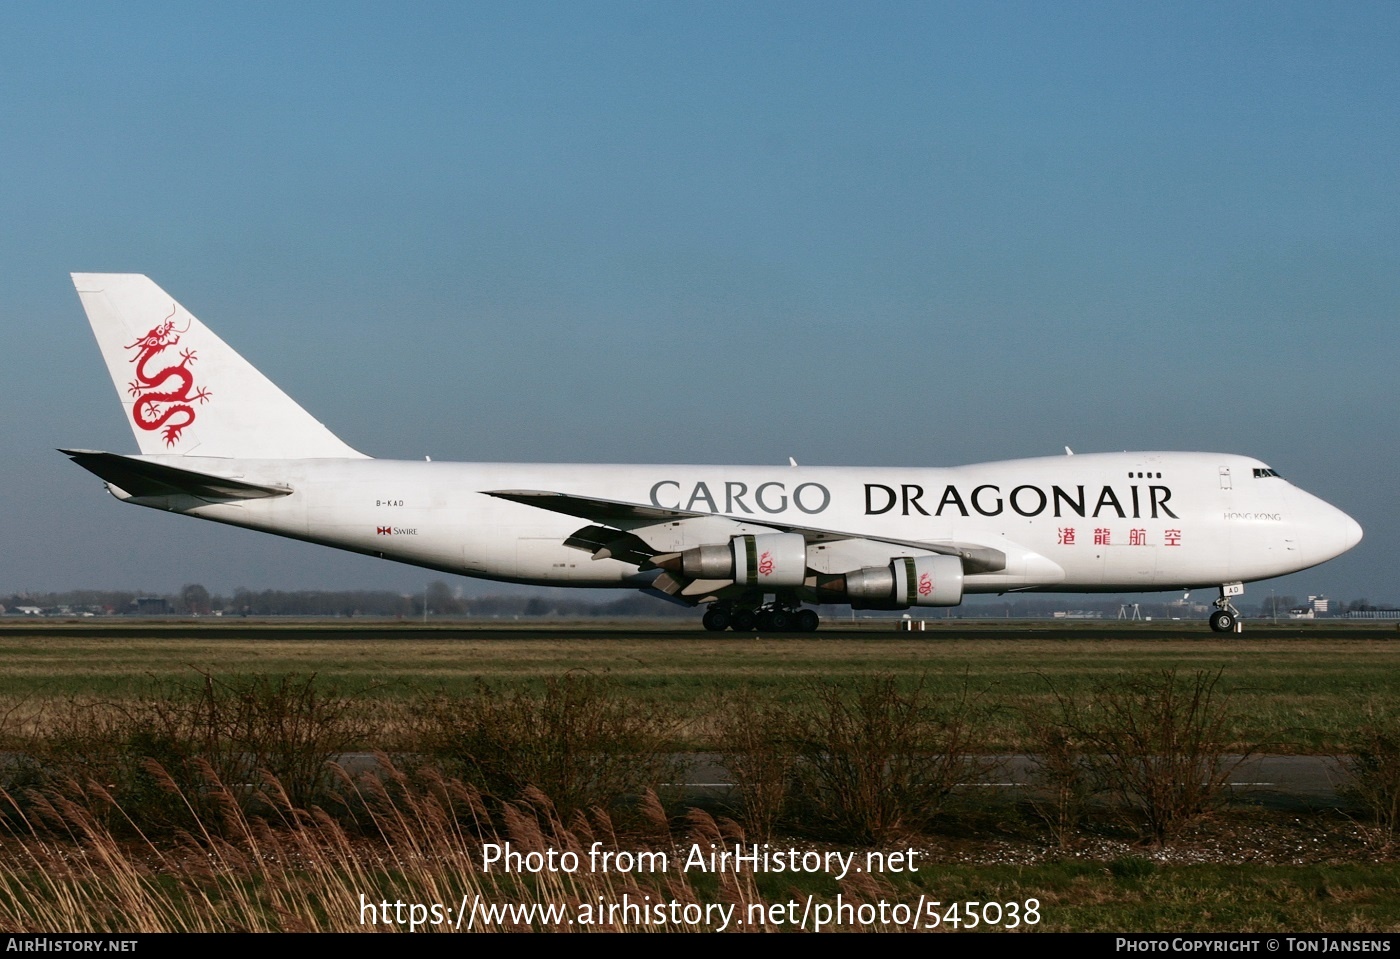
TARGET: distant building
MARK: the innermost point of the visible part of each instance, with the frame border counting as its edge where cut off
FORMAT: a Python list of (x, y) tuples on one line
[(1314, 607), (150, 606)]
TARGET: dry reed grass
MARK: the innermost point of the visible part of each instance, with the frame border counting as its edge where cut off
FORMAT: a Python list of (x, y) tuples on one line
[(415, 840)]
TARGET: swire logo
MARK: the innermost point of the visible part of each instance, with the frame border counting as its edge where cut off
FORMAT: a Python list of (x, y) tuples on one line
[(384, 530)]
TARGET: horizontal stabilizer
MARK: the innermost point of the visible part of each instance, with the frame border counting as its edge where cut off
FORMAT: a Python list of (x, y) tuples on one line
[(142, 478)]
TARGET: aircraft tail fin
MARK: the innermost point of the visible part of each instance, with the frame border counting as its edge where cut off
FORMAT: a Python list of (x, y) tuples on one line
[(184, 390)]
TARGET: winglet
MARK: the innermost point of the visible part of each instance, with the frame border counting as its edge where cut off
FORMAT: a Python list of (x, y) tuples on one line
[(184, 390)]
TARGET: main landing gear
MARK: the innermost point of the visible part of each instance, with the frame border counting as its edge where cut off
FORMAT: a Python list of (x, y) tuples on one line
[(769, 617), (1226, 619)]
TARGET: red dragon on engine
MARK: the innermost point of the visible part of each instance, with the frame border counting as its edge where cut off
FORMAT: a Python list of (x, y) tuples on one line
[(148, 412)]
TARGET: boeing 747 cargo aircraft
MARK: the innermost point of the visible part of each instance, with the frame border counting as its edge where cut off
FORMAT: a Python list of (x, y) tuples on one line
[(752, 544)]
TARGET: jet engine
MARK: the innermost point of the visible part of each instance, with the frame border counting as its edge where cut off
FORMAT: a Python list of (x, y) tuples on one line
[(906, 581), (764, 561)]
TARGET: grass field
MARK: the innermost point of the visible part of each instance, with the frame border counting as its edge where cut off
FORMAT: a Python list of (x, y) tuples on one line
[(1295, 688)]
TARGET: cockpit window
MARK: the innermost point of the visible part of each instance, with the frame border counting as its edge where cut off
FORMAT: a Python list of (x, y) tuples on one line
[(1260, 473)]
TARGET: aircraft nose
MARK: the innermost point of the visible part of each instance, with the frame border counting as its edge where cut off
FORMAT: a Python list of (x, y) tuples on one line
[(1352, 532), (1336, 532)]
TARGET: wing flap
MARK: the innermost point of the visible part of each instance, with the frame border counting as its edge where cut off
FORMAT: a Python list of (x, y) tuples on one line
[(606, 543)]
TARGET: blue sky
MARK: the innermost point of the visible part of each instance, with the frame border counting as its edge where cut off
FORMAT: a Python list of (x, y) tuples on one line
[(893, 234)]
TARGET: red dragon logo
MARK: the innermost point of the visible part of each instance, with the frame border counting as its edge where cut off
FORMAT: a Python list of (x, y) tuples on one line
[(173, 385), (765, 564), (925, 584)]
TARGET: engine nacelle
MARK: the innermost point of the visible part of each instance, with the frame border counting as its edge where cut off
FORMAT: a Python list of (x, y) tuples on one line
[(765, 561), (906, 581), (770, 560), (929, 580)]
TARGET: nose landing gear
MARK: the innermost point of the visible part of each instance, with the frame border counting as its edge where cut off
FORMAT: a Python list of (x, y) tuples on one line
[(1223, 620), (1226, 619)]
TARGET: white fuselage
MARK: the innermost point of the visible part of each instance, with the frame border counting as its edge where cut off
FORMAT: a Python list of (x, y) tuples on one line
[(1093, 522), (222, 442)]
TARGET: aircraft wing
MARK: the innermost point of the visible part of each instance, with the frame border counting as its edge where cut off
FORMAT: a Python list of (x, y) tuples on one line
[(625, 517), (598, 510)]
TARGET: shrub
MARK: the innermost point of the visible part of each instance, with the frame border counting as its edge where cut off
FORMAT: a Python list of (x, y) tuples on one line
[(755, 738), (1061, 783), (878, 762), (233, 732), (1158, 743), (1373, 774), (582, 741), (287, 726)]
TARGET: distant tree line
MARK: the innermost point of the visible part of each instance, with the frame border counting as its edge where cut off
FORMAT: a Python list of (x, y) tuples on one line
[(444, 601)]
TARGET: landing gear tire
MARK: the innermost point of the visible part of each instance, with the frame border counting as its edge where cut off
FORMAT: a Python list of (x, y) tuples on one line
[(780, 621), (716, 620), (742, 620), (1226, 619), (806, 621), (1223, 621)]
